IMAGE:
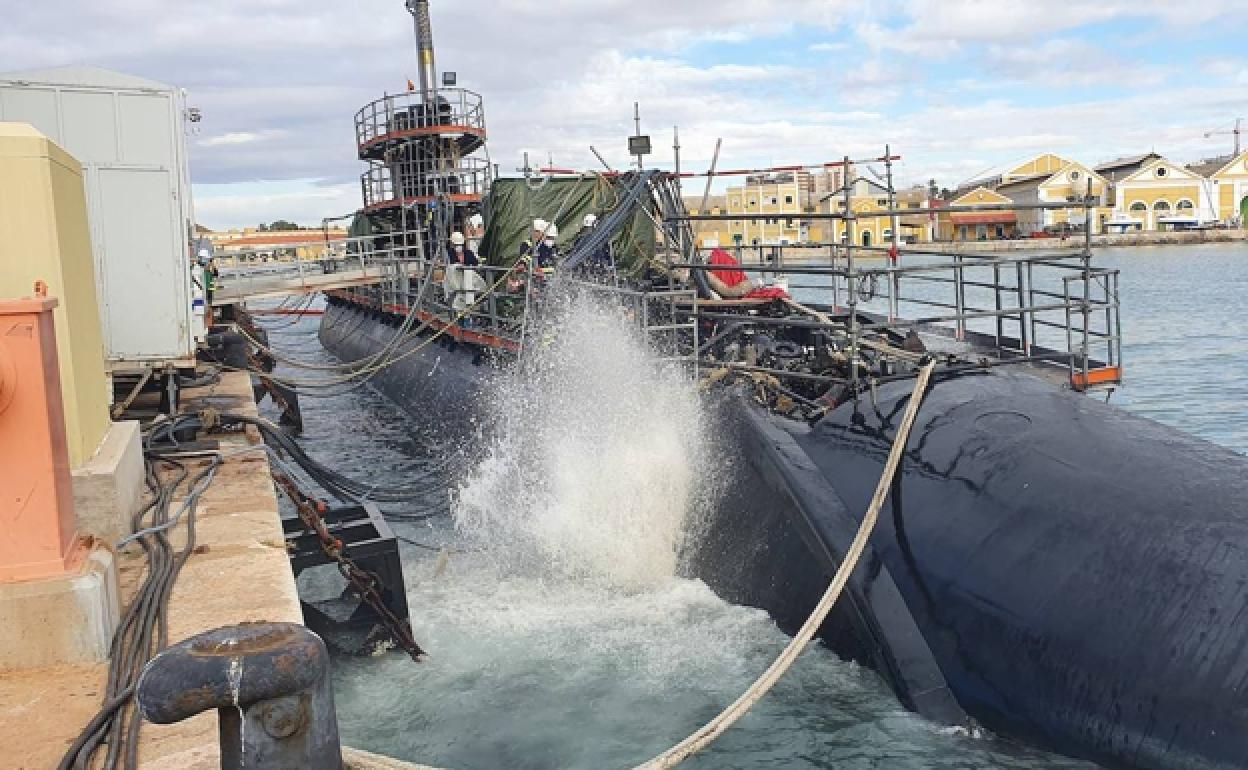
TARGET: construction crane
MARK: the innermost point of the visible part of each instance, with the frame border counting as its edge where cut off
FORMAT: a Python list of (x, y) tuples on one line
[(1236, 132)]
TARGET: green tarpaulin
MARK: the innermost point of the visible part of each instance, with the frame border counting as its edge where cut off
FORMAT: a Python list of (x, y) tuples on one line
[(513, 204)]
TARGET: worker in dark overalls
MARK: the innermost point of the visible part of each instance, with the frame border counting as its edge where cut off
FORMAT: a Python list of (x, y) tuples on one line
[(600, 261), (540, 248), (548, 250)]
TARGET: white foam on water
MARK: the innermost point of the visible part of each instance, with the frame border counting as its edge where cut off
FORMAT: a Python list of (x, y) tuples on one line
[(600, 462)]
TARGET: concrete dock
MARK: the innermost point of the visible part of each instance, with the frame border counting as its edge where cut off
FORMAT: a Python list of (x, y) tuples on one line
[(238, 572)]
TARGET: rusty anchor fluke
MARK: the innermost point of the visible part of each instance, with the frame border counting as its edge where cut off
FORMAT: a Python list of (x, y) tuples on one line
[(270, 685)]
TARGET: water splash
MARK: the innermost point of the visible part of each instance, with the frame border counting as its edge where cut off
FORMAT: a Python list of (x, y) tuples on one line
[(600, 463)]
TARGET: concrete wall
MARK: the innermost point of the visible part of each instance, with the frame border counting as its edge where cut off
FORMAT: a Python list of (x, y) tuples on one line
[(44, 236)]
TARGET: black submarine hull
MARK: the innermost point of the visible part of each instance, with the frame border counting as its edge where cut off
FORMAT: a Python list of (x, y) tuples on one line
[(443, 384), (1061, 571)]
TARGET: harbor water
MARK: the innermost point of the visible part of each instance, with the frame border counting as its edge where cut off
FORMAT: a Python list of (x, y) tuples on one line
[(559, 629)]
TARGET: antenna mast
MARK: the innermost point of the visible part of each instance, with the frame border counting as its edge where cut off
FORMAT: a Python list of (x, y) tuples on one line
[(419, 9)]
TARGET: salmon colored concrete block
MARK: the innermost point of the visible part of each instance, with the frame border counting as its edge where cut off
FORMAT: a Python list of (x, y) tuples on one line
[(36, 495)]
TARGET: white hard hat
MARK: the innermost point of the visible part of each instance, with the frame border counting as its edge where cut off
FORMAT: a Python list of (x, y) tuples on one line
[(457, 239), (552, 230), (590, 220), (540, 225), (476, 220)]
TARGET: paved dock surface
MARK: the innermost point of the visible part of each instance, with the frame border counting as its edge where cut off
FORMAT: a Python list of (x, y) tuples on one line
[(238, 572)]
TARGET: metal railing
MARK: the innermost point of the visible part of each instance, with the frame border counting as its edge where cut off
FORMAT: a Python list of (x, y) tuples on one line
[(1050, 305), (424, 180), (449, 112), (662, 316)]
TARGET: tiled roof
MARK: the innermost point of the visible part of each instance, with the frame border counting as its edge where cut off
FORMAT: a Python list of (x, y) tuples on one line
[(1129, 160)]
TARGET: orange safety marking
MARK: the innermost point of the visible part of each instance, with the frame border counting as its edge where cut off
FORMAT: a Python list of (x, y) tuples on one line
[(1096, 376)]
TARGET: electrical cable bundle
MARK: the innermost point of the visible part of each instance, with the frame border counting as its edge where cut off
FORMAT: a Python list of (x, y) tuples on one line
[(611, 222), (143, 630)]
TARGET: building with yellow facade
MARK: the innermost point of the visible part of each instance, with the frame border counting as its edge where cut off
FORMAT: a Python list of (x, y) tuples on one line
[(868, 227), (711, 234), (778, 204), (1069, 183), (783, 204), (1230, 191), (779, 194), (1162, 195), (977, 225)]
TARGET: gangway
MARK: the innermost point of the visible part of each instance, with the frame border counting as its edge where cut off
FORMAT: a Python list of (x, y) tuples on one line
[(315, 265)]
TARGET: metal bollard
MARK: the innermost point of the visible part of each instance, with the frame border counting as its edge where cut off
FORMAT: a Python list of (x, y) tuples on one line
[(270, 685)]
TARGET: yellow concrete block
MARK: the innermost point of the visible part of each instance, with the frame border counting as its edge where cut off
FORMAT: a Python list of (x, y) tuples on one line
[(44, 236)]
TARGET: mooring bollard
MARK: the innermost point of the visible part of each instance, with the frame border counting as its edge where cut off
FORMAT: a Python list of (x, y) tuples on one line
[(270, 685)]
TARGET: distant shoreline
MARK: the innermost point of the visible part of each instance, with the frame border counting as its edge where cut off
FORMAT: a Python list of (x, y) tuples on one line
[(1168, 238), (750, 255)]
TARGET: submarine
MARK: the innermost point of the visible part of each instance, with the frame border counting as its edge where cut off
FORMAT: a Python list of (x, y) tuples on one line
[(1045, 565)]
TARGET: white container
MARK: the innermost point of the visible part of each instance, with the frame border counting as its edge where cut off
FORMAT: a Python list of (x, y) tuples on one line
[(129, 135)]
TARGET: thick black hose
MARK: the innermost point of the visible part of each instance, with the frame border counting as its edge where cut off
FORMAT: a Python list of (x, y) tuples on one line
[(143, 630)]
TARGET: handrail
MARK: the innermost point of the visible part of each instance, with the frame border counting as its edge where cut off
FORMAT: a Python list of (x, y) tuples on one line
[(449, 111)]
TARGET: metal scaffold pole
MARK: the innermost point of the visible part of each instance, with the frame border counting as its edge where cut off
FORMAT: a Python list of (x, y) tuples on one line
[(851, 276), (895, 222), (681, 245)]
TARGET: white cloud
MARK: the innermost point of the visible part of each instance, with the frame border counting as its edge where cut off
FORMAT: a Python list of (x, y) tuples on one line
[(234, 138)]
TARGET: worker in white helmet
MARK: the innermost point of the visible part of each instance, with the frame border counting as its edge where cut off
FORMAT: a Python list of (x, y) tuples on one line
[(461, 283), (548, 249), (600, 259), (539, 230), (541, 244), (475, 231), (460, 253)]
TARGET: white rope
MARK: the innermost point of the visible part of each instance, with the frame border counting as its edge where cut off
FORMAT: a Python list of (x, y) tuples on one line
[(705, 735)]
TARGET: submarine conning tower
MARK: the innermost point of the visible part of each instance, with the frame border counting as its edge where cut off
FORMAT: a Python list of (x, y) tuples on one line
[(425, 173)]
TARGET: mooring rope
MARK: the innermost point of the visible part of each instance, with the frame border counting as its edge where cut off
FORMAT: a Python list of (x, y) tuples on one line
[(707, 734)]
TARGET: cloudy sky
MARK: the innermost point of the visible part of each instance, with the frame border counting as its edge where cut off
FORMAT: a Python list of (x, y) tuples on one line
[(957, 87)]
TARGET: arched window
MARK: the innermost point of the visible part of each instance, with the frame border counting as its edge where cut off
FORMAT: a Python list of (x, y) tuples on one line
[(1185, 206), (1139, 206), (1161, 205)]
